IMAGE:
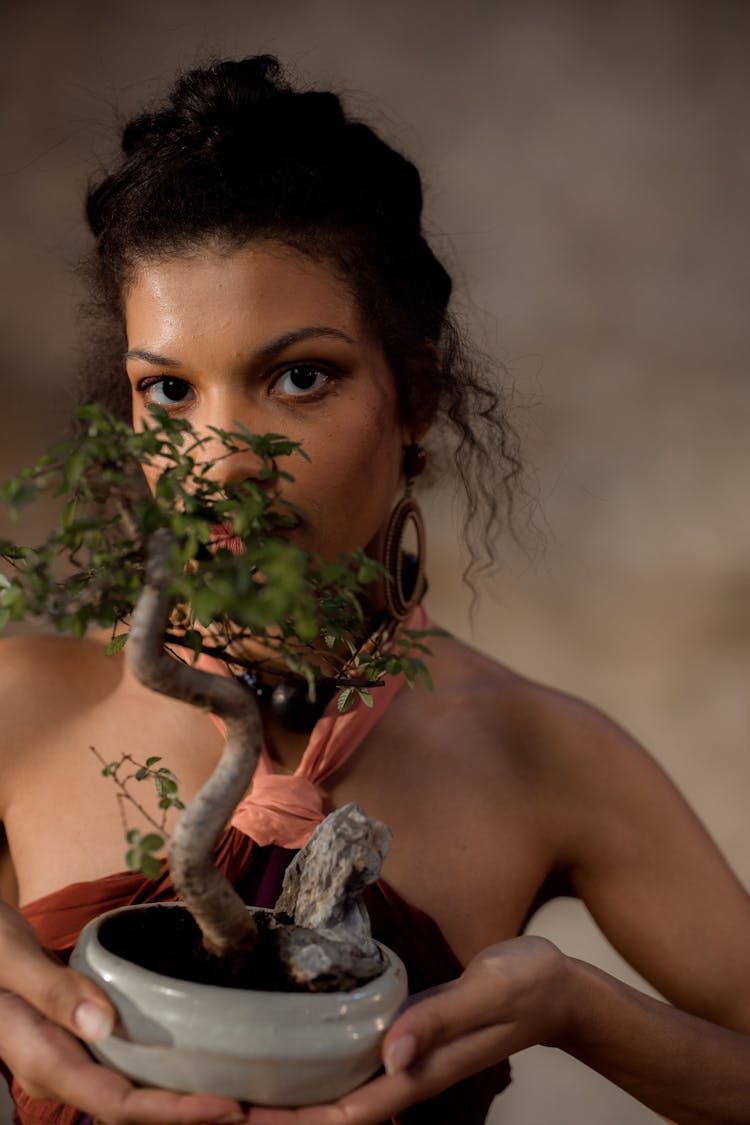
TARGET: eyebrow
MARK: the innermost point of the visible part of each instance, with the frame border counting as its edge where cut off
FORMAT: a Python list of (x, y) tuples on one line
[(272, 348), (151, 357)]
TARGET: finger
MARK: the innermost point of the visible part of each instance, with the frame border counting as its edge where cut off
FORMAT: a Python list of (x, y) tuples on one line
[(389, 1095), (64, 996), (461, 1007), (496, 986), (49, 1063)]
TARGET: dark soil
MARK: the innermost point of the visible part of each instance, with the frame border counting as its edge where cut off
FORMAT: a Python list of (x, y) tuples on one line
[(167, 940)]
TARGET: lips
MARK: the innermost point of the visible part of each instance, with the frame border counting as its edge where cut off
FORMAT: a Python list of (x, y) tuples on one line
[(223, 537)]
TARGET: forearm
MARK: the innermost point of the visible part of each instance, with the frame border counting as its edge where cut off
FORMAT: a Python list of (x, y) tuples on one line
[(676, 1064)]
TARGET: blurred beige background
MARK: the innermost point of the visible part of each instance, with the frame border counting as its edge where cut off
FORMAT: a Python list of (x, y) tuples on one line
[(588, 172)]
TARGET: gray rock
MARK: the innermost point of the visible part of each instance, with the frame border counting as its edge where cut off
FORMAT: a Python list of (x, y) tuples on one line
[(321, 926)]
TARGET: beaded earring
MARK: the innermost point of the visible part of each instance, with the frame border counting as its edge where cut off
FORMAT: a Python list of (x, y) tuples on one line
[(404, 586)]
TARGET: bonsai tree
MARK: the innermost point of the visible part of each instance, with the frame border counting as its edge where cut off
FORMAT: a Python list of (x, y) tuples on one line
[(203, 568)]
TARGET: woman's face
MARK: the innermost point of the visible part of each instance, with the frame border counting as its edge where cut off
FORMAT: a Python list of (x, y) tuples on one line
[(266, 337)]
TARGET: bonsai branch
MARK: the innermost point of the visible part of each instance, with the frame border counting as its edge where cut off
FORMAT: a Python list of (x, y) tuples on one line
[(227, 926)]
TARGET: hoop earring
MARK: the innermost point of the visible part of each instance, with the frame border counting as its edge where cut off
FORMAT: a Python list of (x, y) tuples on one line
[(404, 585)]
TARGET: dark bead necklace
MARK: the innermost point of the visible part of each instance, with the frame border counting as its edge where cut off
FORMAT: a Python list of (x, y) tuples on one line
[(288, 699)]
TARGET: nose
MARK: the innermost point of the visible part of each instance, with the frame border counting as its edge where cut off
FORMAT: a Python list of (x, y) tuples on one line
[(229, 465), (225, 408)]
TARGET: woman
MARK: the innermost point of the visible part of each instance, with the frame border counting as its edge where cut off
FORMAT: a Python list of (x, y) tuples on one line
[(261, 260)]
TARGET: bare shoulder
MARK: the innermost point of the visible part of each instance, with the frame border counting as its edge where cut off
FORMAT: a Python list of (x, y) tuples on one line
[(45, 681), (37, 664), (600, 798), (538, 721), (568, 750)]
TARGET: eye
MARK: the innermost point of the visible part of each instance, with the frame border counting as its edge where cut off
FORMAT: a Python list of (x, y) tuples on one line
[(300, 380), (167, 391)]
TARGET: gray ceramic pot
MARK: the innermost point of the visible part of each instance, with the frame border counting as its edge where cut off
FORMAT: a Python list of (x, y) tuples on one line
[(269, 1048)]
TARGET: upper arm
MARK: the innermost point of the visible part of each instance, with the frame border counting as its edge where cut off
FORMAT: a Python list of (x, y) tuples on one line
[(17, 677), (35, 695), (11, 652), (17, 668), (648, 871), (8, 881)]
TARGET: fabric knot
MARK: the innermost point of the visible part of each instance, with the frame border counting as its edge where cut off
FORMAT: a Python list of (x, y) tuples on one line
[(280, 809)]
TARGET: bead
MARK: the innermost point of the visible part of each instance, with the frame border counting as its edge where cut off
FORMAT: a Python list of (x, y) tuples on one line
[(415, 460), (291, 706), (251, 679)]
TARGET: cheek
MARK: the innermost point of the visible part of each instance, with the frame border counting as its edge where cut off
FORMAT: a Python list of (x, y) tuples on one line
[(349, 486)]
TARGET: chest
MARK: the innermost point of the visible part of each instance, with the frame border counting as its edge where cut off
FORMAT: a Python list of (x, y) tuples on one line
[(466, 846), (470, 845), (67, 819)]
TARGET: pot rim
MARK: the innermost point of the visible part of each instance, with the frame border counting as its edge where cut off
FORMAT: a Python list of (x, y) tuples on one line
[(90, 933)]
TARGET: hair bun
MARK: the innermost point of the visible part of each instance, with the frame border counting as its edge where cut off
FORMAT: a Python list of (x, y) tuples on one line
[(144, 130), (387, 180), (202, 98), (204, 102)]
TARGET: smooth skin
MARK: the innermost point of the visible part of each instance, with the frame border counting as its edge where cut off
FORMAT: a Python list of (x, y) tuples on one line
[(489, 783)]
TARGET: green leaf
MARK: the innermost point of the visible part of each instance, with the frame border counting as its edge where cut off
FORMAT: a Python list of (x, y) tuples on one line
[(345, 701), (424, 673), (117, 643), (152, 761), (194, 640), (150, 866), (306, 626), (18, 496), (141, 773), (11, 596), (152, 842), (133, 836), (74, 469), (134, 858), (68, 514), (365, 696)]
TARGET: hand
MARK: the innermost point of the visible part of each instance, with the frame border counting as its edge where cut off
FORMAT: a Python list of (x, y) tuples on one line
[(48, 1003), (510, 996)]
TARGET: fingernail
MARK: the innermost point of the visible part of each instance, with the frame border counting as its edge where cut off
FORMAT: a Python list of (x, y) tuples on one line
[(400, 1054), (92, 1022)]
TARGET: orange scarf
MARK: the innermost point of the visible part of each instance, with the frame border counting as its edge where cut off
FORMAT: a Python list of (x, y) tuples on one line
[(285, 809)]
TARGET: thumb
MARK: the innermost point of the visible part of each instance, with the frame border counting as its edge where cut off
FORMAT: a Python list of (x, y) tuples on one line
[(66, 997), (421, 1025)]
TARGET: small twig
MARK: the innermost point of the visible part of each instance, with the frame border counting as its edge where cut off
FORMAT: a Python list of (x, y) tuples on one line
[(125, 794), (253, 665), (126, 515)]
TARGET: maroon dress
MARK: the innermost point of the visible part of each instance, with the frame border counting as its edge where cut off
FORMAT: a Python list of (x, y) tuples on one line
[(256, 872)]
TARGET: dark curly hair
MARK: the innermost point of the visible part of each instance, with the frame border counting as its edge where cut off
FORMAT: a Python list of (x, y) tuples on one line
[(236, 154)]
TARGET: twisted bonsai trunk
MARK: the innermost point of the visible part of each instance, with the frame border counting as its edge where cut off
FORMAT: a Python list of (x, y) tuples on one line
[(227, 926)]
